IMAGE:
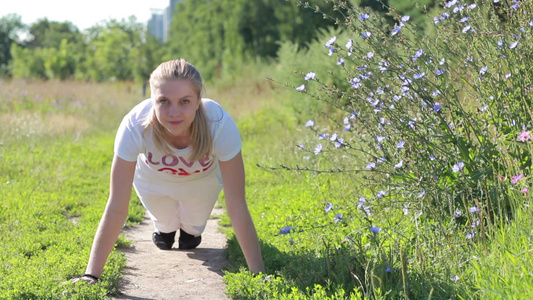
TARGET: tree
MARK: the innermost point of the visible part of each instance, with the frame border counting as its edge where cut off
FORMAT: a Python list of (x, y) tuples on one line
[(10, 27)]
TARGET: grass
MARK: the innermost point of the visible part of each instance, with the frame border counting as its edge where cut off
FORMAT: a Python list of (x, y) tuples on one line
[(54, 186)]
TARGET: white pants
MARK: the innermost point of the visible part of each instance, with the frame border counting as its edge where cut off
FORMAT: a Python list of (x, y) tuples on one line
[(186, 205)]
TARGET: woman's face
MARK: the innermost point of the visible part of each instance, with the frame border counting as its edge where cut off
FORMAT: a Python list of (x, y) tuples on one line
[(176, 102)]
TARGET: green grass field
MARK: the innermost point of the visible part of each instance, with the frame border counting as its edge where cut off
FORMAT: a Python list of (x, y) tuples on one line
[(56, 147)]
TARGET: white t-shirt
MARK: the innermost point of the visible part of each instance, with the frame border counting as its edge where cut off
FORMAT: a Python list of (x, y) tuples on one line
[(133, 144)]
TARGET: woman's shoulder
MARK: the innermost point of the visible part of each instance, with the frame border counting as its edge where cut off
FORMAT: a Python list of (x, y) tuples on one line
[(140, 111), (213, 110)]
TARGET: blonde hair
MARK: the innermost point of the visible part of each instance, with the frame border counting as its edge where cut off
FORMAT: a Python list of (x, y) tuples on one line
[(201, 139)]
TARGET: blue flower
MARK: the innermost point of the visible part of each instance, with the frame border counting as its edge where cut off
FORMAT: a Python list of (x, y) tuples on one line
[(380, 139), (371, 166), (338, 217), (422, 194), (466, 28), (513, 45), (331, 51), (310, 123), (318, 149), (405, 18), (375, 229), (364, 17), (340, 62), (450, 3), (400, 145), (310, 76), (419, 75), (300, 88), (472, 6), (381, 194), (457, 167), (370, 54), (349, 44), (440, 71), (458, 213), (398, 165), (437, 107), (388, 269), (435, 93), (455, 278), (330, 42), (483, 70), (366, 34), (465, 19), (396, 30), (329, 206), (285, 230)]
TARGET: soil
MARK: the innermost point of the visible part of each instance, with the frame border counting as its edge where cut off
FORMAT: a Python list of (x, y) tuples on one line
[(151, 273)]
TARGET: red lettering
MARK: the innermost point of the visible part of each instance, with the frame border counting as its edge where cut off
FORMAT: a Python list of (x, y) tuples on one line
[(174, 160), (150, 159)]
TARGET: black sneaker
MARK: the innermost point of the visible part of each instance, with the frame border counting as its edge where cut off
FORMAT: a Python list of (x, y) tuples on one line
[(164, 241), (188, 241)]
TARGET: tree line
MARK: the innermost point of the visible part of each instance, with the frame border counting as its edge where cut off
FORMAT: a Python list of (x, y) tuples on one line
[(217, 36)]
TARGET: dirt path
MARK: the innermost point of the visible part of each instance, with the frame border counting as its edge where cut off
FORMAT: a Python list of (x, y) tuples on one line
[(151, 273)]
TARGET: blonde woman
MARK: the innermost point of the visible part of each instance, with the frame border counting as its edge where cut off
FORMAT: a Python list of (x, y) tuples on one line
[(178, 150)]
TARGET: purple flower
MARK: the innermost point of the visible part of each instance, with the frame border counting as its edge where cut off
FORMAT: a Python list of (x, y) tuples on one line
[(388, 269), (483, 70), (470, 235), (435, 93), (375, 229), (513, 45), (329, 206), (380, 139), (450, 3), (370, 54), (421, 194), (405, 210), (331, 51), (371, 166), (285, 230), (340, 62), (396, 30), (300, 88), (458, 213), (455, 278), (440, 71), (466, 28), (473, 209), (472, 6), (338, 217), (515, 179), (419, 75), (405, 18), (310, 123), (437, 107), (525, 136), (465, 19), (457, 167), (364, 17), (310, 76), (381, 194), (349, 44)]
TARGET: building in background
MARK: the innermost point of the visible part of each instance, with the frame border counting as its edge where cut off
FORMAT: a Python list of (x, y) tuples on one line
[(159, 23)]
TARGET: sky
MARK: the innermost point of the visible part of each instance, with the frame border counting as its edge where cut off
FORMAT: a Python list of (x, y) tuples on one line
[(82, 13)]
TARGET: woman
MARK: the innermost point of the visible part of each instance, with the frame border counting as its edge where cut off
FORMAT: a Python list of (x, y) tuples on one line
[(178, 150)]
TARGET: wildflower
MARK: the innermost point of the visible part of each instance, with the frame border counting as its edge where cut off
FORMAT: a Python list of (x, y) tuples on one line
[(349, 44), (507, 76), (370, 54), (472, 6), (381, 194), (444, 16), (436, 107), (458, 9), (515, 6), (475, 224), (338, 217), (515, 179), (362, 201), (347, 127), (310, 123), (396, 30), (470, 235), (398, 165), (381, 160), (455, 278), (483, 70), (300, 88), (524, 136), (450, 3), (356, 83), (422, 194), (367, 211), (442, 61), (318, 149), (405, 18), (531, 23), (323, 136), (364, 17), (310, 76), (513, 45), (458, 213), (329, 206), (400, 145), (484, 107), (473, 209), (431, 157), (285, 230), (371, 166), (458, 166), (366, 34), (331, 51), (435, 93), (333, 137), (525, 191), (405, 210), (419, 75), (375, 229), (330, 41), (465, 19), (340, 62), (383, 65), (380, 139), (440, 71), (388, 269), (339, 143)]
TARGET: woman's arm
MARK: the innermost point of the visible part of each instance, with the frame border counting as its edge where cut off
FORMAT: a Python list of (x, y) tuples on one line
[(114, 216), (233, 179)]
